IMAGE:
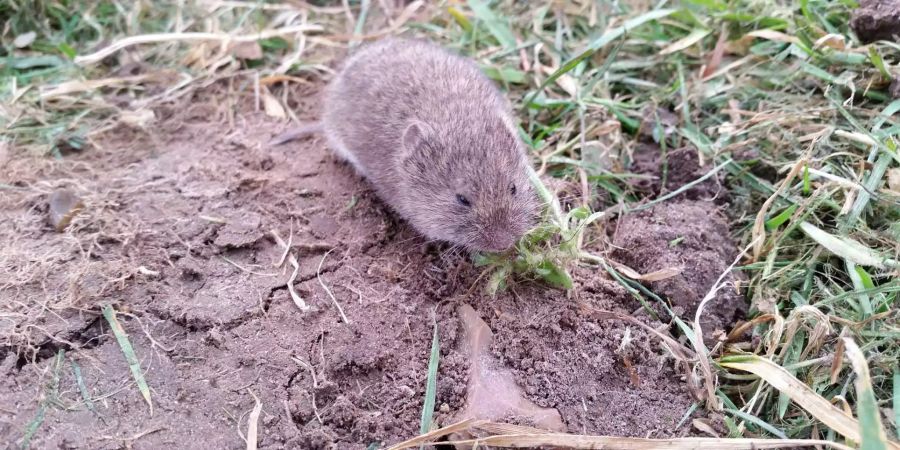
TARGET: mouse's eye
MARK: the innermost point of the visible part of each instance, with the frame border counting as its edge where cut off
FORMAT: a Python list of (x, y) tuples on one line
[(462, 200), (512, 189)]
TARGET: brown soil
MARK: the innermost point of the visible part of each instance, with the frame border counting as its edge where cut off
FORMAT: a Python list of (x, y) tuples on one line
[(688, 232), (673, 170), (693, 237), (175, 233), (876, 20)]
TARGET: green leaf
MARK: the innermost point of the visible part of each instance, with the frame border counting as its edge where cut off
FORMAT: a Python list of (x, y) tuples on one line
[(580, 213), (497, 26), (878, 62), (700, 140), (273, 44), (31, 62), (497, 282), (807, 186), (83, 390), (67, 50), (554, 274), (865, 277), (431, 383), (756, 421), (781, 218)]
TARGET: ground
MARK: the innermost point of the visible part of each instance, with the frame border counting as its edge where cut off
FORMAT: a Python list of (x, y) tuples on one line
[(150, 233), (177, 235)]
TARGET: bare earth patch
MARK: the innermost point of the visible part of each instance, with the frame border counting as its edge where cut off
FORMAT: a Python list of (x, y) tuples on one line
[(176, 233)]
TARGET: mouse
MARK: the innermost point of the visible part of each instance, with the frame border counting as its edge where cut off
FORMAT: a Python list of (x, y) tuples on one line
[(436, 140)]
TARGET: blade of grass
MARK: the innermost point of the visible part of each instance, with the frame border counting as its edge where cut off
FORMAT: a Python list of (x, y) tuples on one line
[(129, 41), (360, 22), (781, 218), (800, 393), (436, 434), (515, 436), (83, 390), (49, 396), (430, 383), (897, 401), (133, 363), (871, 431), (694, 37), (33, 426), (494, 23), (756, 421), (460, 18), (865, 302), (845, 247), (597, 44)]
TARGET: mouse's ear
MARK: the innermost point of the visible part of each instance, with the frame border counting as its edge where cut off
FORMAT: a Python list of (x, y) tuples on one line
[(415, 137)]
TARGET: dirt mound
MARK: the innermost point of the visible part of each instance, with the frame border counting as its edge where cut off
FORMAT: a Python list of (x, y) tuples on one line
[(692, 236), (877, 20), (176, 232), (670, 171)]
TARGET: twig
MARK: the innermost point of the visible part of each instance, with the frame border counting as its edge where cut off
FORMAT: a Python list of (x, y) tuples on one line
[(253, 422), (322, 283), (188, 36), (699, 346), (298, 300)]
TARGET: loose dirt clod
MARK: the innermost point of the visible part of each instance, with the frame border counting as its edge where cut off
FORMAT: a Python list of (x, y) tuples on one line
[(876, 20)]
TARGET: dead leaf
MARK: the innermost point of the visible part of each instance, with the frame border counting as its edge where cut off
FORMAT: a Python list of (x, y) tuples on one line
[(566, 82), (715, 59), (247, 50), (77, 86), (701, 425), (658, 275), (272, 106), (196, 57), (894, 180), (25, 39), (4, 152), (773, 35), (138, 119), (685, 42), (834, 41)]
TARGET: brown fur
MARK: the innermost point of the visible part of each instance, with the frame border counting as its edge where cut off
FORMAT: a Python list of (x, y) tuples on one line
[(426, 126)]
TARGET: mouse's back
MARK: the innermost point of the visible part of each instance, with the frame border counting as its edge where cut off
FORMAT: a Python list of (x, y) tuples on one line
[(433, 135)]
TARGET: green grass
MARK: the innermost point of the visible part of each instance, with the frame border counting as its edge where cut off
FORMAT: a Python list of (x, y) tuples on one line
[(824, 110)]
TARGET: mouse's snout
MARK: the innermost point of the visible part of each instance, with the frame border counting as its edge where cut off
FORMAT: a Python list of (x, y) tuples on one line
[(500, 237), (502, 229), (498, 242)]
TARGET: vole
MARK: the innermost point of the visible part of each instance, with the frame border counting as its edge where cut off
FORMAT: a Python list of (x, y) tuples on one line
[(435, 138)]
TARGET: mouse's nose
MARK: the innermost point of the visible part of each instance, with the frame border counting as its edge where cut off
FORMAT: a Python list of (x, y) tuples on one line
[(498, 242)]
